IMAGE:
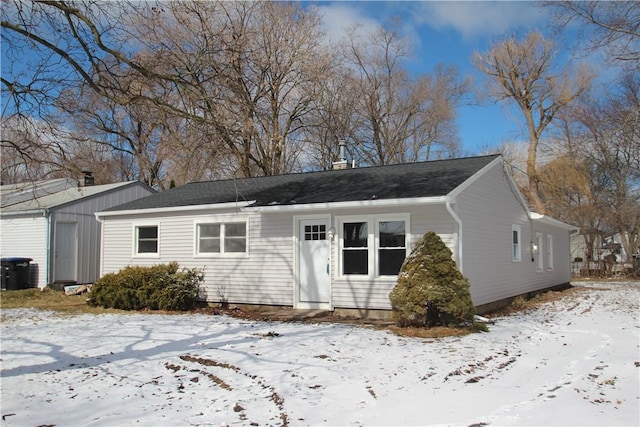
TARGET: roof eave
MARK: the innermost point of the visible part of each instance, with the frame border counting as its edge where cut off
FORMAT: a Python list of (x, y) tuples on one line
[(552, 221), (28, 212)]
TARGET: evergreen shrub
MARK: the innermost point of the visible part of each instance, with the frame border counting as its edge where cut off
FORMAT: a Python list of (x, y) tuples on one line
[(158, 287), (431, 291)]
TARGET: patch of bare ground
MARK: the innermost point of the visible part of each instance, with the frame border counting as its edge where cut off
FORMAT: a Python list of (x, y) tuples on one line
[(522, 305), (433, 332)]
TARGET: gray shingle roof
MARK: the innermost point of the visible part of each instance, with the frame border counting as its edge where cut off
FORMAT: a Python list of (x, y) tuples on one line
[(25, 197), (423, 179)]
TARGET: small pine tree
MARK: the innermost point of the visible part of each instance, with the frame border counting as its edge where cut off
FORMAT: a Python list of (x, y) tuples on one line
[(431, 291)]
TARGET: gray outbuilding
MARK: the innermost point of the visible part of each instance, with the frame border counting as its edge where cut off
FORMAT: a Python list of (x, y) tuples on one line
[(53, 223)]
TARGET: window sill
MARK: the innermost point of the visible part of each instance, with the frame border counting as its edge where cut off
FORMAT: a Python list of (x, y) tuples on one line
[(222, 255), (152, 256)]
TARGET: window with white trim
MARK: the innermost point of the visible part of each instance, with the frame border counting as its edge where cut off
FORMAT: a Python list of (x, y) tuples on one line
[(373, 245), (146, 240), (539, 253), (516, 245), (549, 248), (392, 247), (221, 237), (355, 248)]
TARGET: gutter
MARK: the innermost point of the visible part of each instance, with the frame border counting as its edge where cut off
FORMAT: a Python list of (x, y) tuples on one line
[(43, 212), (350, 204), (449, 201)]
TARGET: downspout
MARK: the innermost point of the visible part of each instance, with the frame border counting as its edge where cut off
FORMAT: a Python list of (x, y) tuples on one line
[(101, 247), (50, 257), (456, 218)]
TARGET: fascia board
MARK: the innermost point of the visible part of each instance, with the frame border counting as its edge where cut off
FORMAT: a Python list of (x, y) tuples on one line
[(170, 209), (350, 205), (31, 212), (544, 219)]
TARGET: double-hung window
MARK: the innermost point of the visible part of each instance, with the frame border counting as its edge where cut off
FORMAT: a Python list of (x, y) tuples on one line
[(146, 240), (355, 249), (373, 246), (549, 248), (516, 246), (392, 247), (221, 238), (539, 253)]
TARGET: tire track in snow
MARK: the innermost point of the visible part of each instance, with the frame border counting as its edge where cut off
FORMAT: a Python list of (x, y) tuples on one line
[(233, 381)]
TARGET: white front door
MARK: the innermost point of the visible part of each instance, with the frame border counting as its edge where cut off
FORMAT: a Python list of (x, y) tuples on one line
[(314, 264), (65, 252)]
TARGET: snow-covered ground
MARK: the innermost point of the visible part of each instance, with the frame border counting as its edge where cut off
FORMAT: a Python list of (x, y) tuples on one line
[(571, 362)]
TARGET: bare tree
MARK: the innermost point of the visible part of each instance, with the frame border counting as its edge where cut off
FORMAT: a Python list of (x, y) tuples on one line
[(521, 71), (33, 150), (246, 71), (570, 196), (613, 153), (135, 130), (398, 118), (594, 179), (64, 45), (330, 119), (243, 73), (434, 134), (614, 25)]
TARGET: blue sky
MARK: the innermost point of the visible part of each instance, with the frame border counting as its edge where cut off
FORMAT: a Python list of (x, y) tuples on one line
[(449, 32)]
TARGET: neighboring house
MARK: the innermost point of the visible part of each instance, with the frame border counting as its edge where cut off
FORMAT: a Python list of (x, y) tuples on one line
[(53, 223), (337, 239), (603, 249)]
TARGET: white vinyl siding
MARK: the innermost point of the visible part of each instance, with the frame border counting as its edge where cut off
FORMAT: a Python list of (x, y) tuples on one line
[(263, 275), (26, 237), (489, 209), (371, 291), (266, 275)]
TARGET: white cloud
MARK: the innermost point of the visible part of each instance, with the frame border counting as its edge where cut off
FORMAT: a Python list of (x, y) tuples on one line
[(338, 17), (479, 18)]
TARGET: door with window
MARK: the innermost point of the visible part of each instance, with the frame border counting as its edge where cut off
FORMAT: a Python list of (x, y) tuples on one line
[(314, 263), (65, 252)]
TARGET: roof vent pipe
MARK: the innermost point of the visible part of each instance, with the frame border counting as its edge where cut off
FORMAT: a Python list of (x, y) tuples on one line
[(343, 147)]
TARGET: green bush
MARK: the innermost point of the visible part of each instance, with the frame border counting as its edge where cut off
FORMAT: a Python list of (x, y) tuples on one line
[(431, 291), (158, 287)]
